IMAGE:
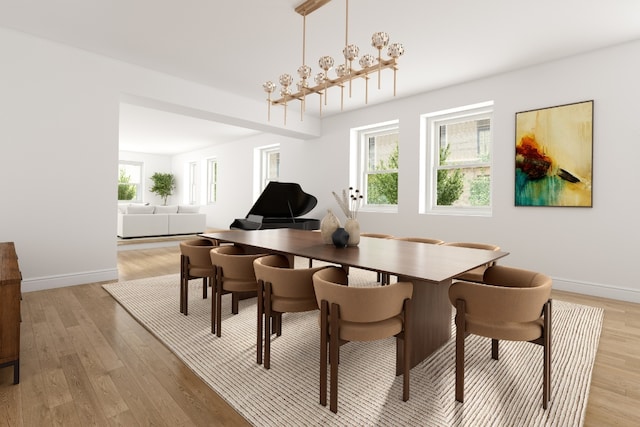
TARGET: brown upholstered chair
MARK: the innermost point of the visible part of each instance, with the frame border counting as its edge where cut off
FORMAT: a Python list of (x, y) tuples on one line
[(280, 290), (476, 274), (358, 314), (381, 277), (195, 263), (377, 235), (421, 240), (233, 274), (512, 304)]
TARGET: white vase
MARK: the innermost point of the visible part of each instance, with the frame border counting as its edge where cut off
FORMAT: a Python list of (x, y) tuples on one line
[(328, 225), (353, 228)]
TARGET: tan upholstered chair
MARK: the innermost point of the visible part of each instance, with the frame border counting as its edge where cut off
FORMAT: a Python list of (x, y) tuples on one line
[(381, 277), (195, 263), (280, 290), (421, 240), (512, 304), (476, 274), (233, 274), (359, 314), (377, 235)]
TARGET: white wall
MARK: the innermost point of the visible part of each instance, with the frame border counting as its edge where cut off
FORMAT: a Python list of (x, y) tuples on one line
[(59, 107), (59, 151), (588, 250)]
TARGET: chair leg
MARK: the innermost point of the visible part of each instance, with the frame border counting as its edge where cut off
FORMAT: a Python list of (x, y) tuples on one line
[(268, 316), (219, 289), (184, 284), (205, 285), (406, 372), (234, 302), (494, 349), (259, 334), (278, 324), (546, 343), (324, 332), (460, 333), (214, 302), (334, 355)]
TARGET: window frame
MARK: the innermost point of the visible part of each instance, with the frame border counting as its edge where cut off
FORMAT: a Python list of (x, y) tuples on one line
[(139, 186), (265, 165), (430, 158), (192, 193), (212, 180), (359, 167)]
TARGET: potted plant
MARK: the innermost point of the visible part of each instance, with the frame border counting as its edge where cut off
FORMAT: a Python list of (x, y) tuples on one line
[(163, 185)]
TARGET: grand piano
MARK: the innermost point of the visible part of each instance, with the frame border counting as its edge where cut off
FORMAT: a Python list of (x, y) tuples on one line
[(279, 206)]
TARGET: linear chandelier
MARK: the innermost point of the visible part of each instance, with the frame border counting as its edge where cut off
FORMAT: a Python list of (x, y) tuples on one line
[(344, 72)]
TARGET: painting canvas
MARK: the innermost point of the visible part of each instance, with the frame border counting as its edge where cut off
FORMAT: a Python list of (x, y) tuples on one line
[(554, 156)]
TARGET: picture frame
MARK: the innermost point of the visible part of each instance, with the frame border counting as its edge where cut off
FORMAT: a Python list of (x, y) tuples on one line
[(554, 156)]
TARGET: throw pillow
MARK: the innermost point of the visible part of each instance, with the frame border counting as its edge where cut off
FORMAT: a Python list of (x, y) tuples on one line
[(140, 209), (188, 209)]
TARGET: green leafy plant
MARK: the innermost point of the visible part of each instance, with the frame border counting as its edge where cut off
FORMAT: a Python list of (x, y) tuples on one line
[(383, 188), (450, 182), (126, 191), (163, 185)]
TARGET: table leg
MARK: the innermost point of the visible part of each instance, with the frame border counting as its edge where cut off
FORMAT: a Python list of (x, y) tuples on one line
[(430, 320)]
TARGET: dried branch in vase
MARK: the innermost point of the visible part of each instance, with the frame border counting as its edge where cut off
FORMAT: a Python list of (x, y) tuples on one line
[(349, 202)]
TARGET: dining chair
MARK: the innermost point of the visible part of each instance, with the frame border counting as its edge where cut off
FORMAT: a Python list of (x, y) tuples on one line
[(421, 240), (359, 314), (281, 289), (234, 274), (511, 304), (477, 273), (382, 278), (195, 263)]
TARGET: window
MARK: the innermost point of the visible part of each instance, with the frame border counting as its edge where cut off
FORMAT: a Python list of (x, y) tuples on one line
[(130, 181), (459, 144), (269, 165), (377, 152), (212, 180), (193, 183)]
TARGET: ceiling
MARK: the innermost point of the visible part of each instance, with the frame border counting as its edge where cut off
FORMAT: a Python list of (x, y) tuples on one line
[(237, 45)]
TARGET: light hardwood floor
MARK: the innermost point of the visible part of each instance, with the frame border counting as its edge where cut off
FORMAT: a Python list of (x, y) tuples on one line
[(85, 361)]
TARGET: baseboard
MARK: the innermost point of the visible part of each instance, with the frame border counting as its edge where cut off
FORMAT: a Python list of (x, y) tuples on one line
[(60, 281), (597, 290)]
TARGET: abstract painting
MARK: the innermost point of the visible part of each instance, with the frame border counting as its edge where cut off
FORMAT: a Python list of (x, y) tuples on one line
[(554, 156)]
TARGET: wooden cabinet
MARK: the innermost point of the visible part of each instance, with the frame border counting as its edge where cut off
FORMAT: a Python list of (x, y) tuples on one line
[(10, 294)]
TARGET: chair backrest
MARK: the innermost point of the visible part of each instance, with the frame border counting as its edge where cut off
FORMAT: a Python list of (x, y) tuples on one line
[(235, 262), (377, 235), (285, 282), (197, 252), (475, 245), (361, 305), (421, 240), (507, 306)]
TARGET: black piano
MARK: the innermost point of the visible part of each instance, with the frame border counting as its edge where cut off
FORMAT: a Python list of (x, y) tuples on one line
[(279, 206)]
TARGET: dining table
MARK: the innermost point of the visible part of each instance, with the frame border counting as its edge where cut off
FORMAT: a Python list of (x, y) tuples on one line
[(431, 268)]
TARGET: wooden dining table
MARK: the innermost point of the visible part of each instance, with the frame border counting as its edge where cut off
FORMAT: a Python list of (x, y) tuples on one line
[(431, 268)]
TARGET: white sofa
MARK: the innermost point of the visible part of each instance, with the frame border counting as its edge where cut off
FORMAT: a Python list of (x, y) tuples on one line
[(149, 220)]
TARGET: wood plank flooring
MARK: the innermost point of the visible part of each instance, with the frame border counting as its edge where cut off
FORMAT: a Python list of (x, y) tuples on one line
[(86, 361)]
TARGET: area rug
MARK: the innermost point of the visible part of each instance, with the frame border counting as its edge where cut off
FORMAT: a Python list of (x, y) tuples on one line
[(507, 392)]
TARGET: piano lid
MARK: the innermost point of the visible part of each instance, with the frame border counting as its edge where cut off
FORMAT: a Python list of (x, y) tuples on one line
[(283, 200)]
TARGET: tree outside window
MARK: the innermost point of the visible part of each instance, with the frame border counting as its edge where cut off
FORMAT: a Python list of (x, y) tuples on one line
[(461, 142), (130, 181), (378, 154)]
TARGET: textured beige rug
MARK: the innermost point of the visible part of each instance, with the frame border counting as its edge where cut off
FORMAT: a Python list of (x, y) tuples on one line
[(503, 393)]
